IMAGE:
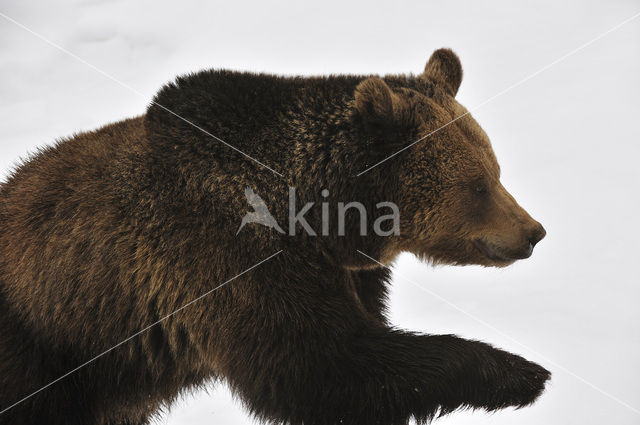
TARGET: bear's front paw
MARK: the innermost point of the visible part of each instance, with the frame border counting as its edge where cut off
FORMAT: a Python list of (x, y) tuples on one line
[(509, 380)]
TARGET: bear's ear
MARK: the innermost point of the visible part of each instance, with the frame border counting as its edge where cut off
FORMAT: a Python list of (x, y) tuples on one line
[(445, 69), (379, 106)]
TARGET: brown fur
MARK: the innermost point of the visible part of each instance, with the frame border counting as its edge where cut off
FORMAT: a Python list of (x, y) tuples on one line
[(108, 231)]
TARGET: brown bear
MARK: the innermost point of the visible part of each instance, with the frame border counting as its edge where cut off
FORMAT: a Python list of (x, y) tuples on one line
[(125, 279)]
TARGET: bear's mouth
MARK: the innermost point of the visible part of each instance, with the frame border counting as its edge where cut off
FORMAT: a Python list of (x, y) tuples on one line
[(490, 251)]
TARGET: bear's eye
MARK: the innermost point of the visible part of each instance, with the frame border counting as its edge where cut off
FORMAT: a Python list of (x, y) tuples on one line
[(480, 189)]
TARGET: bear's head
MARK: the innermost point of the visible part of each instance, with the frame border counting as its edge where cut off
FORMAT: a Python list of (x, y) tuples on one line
[(453, 208)]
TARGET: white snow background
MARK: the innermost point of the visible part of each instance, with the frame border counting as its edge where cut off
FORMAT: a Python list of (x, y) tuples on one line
[(568, 142)]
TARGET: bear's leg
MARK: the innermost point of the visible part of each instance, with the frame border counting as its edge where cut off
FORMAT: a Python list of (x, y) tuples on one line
[(66, 403), (25, 368), (385, 379), (311, 356), (371, 289), (57, 408), (31, 394)]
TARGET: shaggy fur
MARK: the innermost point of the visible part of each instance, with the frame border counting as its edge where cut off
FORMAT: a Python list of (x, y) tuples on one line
[(109, 231)]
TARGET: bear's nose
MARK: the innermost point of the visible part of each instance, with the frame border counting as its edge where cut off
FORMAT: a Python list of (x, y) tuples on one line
[(536, 235)]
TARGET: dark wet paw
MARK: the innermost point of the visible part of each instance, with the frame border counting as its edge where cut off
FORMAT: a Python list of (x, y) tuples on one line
[(517, 381)]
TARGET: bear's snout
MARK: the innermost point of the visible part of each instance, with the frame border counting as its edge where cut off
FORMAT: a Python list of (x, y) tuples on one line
[(533, 236), (524, 248), (537, 234), (513, 233), (509, 249)]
